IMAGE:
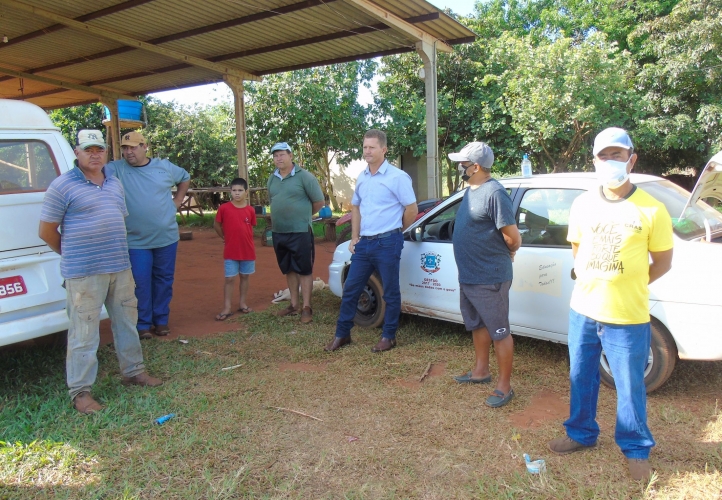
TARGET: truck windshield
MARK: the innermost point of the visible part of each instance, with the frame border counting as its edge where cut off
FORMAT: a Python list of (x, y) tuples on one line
[(690, 224)]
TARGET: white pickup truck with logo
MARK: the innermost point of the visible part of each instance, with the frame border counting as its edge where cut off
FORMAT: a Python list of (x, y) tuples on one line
[(33, 152)]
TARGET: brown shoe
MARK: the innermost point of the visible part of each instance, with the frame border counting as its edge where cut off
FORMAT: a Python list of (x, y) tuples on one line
[(639, 469), (145, 334), (384, 345), (338, 343), (161, 330), (143, 380), (85, 403), (306, 315), (289, 311), (565, 445)]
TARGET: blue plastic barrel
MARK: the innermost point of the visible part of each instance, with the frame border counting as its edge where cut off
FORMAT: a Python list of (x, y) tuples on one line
[(127, 110)]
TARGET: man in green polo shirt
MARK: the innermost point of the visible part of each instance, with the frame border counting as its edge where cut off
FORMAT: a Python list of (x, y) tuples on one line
[(295, 196)]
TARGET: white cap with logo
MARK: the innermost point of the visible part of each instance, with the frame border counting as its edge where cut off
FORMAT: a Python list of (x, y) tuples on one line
[(90, 138)]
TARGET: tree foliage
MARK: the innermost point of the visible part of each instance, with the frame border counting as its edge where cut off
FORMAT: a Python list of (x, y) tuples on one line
[(682, 87), (71, 120), (316, 111)]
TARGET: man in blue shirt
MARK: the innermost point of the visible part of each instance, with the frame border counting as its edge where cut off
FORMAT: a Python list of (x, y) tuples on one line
[(485, 240), (89, 208), (383, 205), (152, 228)]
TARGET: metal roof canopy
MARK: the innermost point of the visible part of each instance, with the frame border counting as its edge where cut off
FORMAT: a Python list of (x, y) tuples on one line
[(63, 53)]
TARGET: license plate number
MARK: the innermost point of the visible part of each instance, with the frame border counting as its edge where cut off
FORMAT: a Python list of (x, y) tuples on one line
[(12, 286)]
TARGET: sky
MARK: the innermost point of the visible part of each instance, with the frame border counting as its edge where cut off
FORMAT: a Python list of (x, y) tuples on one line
[(218, 92)]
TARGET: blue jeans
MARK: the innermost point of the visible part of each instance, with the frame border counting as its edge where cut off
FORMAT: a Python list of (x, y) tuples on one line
[(627, 350), (153, 271), (383, 256), (85, 299)]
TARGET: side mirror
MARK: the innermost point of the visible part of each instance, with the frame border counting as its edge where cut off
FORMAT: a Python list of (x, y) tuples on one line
[(414, 235)]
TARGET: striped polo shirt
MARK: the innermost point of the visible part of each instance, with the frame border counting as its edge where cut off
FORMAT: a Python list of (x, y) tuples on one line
[(92, 224)]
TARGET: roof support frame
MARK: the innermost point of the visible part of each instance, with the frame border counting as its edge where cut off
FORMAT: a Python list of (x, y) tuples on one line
[(66, 85), (399, 24), (131, 42)]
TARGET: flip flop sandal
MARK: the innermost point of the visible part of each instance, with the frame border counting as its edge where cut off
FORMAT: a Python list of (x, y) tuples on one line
[(498, 398), (223, 317), (467, 379), (245, 310)]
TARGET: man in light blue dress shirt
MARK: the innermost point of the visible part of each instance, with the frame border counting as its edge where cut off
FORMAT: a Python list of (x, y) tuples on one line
[(383, 205)]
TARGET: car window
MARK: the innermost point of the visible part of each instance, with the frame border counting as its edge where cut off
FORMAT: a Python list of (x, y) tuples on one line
[(543, 216), (26, 166), (440, 227)]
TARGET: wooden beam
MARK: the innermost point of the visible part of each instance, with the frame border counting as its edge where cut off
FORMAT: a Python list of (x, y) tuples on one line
[(64, 84), (259, 16), (131, 42), (236, 85), (86, 17), (399, 24)]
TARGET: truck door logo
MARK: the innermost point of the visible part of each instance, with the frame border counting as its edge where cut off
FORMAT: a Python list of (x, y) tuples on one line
[(430, 262)]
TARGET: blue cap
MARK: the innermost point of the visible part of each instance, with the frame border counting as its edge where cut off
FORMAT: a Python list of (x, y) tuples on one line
[(280, 146)]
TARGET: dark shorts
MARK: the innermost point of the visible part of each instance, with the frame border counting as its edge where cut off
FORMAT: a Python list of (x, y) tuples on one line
[(486, 306), (295, 252)]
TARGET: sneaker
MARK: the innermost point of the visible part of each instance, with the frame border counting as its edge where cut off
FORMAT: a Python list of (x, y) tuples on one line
[(143, 380), (85, 403), (639, 469), (565, 445), (306, 315)]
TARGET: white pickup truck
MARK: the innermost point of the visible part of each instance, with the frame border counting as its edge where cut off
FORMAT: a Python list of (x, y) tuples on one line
[(33, 152)]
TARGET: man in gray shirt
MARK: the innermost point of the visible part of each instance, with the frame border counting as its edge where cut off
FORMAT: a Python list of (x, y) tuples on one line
[(485, 240), (152, 228)]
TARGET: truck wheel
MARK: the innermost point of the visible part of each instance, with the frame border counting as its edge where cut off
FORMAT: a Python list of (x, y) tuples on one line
[(660, 364), (371, 306), (344, 235)]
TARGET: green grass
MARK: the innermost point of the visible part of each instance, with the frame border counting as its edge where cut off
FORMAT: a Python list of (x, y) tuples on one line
[(415, 440)]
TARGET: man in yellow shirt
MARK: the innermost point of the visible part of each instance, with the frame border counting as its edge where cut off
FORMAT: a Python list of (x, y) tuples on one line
[(615, 232)]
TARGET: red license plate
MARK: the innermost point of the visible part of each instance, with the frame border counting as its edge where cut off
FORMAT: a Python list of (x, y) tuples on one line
[(12, 286)]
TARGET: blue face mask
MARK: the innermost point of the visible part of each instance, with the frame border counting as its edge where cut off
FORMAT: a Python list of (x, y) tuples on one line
[(611, 173)]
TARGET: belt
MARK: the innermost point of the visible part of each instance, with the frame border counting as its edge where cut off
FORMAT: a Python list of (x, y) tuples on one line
[(382, 235)]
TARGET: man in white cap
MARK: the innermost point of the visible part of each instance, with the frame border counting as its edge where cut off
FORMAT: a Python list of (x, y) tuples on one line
[(295, 195), (615, 231), (88, 207), (152, 228), (485, 240)]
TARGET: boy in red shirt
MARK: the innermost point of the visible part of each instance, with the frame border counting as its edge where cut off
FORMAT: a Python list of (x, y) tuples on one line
[(234, 224)]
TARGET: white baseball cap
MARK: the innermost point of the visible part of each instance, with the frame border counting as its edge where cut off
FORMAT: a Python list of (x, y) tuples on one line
[(90, 138), (612, 137)]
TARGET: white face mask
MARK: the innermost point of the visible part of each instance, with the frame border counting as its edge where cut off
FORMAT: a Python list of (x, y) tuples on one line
[(611, 174)]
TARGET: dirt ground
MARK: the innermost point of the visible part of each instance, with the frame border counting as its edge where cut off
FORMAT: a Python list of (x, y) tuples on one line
[(198, 287)]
